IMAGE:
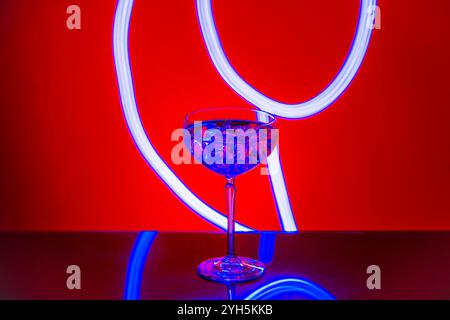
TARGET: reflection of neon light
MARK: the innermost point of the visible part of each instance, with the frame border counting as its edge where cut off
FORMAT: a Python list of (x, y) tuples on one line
[(136, 265), (266, 246), (290, 285), (270, 291), (129, 105), (280, 192), (296, 111)]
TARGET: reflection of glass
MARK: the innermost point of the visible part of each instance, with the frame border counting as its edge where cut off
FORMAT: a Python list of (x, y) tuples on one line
[(231, 291), (230, 142)]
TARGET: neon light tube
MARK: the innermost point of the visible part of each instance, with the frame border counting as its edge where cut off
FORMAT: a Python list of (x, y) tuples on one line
[(293, 111), (266, 249), (279, 190), (136, 265), (271, 290), (136, 128)]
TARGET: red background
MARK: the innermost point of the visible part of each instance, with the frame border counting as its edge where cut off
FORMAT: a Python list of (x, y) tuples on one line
[(378, 159)]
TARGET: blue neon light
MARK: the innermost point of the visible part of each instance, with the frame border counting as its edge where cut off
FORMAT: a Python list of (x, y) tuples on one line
[(279, 189), (293, 111), (136, 265), (266, 246), (270, 291), (290, 285)]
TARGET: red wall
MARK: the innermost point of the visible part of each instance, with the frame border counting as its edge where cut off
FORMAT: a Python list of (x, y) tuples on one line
[(378, 159)]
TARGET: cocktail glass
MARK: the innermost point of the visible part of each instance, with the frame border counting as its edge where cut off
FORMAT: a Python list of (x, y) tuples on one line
[(230, 142)]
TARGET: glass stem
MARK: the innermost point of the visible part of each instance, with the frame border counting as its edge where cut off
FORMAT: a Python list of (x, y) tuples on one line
[(230, 190)]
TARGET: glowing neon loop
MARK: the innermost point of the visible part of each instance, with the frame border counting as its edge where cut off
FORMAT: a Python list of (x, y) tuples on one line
[(145, 240), (302, 110), (130, 110), (136, 265), (271, 290), (294, 111)]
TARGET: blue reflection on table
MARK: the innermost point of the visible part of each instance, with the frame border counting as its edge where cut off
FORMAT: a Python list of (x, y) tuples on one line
[(278, 289)]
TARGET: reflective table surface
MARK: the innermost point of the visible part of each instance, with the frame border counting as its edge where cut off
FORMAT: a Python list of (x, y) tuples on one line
[(150, 265)]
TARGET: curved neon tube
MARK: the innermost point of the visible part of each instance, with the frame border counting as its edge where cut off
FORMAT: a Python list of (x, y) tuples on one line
[(136, 265), (293, 111), (130, 110), (271, 290)]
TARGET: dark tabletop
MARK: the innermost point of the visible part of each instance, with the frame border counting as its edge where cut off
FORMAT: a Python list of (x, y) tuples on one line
[(163, 265)]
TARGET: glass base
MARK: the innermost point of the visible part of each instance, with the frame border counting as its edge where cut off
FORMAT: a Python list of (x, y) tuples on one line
[(231, 269)]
